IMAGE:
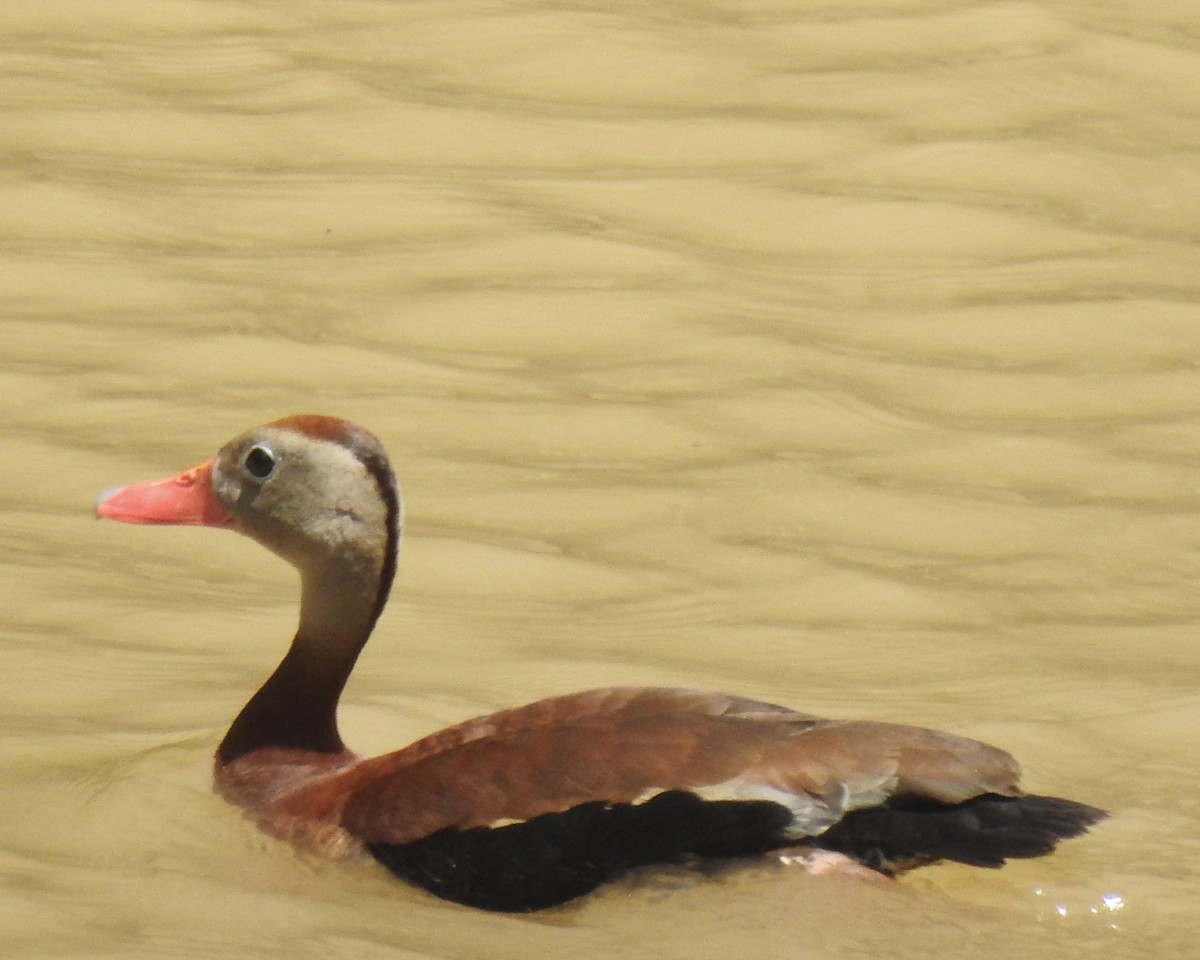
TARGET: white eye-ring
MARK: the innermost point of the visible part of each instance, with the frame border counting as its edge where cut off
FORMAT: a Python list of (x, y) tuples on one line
[(259, 462)]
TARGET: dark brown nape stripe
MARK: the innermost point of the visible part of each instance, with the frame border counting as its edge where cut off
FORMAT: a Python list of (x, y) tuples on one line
[(556, 857), (370, 453), (377, 465)]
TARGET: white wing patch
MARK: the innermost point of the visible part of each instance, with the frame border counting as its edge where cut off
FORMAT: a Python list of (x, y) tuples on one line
[(811, 815)]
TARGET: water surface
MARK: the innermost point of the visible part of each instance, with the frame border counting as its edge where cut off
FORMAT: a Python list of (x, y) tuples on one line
[(841, 355)]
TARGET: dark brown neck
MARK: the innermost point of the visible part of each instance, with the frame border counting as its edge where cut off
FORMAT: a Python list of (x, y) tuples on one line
[(296, 709)]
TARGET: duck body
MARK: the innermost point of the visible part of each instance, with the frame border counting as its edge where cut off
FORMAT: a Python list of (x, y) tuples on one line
[(532, 807)]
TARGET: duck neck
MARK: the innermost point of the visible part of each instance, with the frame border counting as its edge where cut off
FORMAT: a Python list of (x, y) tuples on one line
[(296, 709)]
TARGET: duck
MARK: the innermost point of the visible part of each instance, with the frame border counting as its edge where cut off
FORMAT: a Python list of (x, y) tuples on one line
[(535, 806)]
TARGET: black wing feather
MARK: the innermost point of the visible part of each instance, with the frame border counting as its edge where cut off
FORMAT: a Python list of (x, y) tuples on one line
[(982, 832), (556, 857)]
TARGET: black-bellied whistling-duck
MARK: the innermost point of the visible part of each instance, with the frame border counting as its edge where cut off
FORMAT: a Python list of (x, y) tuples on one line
[(531, 807)]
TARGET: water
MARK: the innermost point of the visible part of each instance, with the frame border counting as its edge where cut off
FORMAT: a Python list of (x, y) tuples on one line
[(841, 355)]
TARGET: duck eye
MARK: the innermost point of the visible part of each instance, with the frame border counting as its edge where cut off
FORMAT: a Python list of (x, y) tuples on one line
[(260, 462)]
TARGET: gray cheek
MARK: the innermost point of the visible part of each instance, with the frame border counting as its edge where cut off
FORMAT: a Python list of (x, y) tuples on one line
[(244, 498), (233, 496)]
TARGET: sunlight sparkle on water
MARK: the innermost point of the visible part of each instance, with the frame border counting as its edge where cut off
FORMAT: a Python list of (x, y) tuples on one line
[(1110, 902)]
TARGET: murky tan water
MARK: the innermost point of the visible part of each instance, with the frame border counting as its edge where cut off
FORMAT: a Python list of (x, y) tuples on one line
[(839, 354)]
